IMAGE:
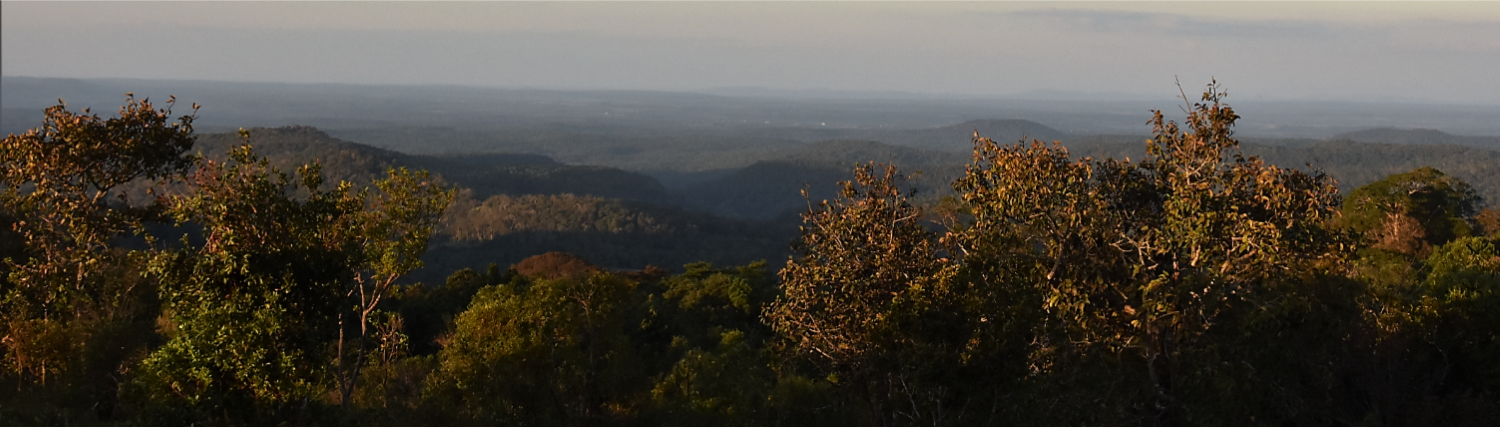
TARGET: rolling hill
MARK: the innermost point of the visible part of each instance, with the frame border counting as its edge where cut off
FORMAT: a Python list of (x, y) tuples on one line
[(1419, 137)]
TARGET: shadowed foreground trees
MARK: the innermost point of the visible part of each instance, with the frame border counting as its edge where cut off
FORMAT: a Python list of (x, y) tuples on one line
[(1160, 279), (244, 304), (252, 308), (1144, 290), (876, 305), (75, 309)]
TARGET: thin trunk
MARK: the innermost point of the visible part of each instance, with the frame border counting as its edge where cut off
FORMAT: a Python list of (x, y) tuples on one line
[(349, 375)]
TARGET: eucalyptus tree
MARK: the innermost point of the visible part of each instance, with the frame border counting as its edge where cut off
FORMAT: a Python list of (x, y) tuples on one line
[(1143, 289), (876, 306), (74, 310), (1150, 262)]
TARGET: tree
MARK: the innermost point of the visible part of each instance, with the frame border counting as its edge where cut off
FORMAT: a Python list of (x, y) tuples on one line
[(1431, 286), (74, 307), (1411, 212), (554, 352), (1147, 260), (253, 304), (705, 323), (393, 234), (1489, 221), (876, 307), (1462, 290), (282, 263)]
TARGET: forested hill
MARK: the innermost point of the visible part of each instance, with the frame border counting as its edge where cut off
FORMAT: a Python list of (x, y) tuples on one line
[(956, 137), (291, 146), (1419, 137), (1356, 163), (678, 149), (612, 233), (1352, 162), (773, 187), (669, 152), (511, 206), (486, 174)]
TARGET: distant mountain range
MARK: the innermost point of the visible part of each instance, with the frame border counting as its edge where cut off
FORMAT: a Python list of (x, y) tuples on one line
[(339, 108)]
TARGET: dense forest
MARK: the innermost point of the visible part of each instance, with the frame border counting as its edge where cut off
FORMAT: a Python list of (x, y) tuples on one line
[(153, 275)]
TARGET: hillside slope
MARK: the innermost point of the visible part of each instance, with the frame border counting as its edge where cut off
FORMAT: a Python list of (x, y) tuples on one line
[(485, 174), (774, 187), (513, 206), (957, 137), (1419, 137)]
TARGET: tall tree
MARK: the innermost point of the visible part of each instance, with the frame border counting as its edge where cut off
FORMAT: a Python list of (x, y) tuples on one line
[(72, 304), (873, 303), (553, 351), (393, 234), (252, 306), (285, 269), (1148, 259)]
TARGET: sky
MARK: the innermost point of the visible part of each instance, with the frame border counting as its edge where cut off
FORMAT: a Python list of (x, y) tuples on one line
[(1427, 52)]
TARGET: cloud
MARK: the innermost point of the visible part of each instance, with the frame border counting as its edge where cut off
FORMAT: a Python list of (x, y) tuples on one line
[(1169, 24), (1417, 35)]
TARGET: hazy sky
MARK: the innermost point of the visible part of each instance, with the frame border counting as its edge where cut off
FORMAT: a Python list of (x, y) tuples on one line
[(1427, 52)]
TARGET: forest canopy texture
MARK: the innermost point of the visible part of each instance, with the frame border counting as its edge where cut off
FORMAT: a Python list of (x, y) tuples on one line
[(142, 284)]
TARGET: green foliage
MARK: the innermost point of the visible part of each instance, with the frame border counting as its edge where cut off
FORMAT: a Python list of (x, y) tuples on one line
[(75, 313), (393, 233), (1431, 293), (555, 352), (725, 370), (707, 321), (726, 384), (429, 311), (1413, 211), (1434, 346), (253, 308), (1463, 285), (253, 305)]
